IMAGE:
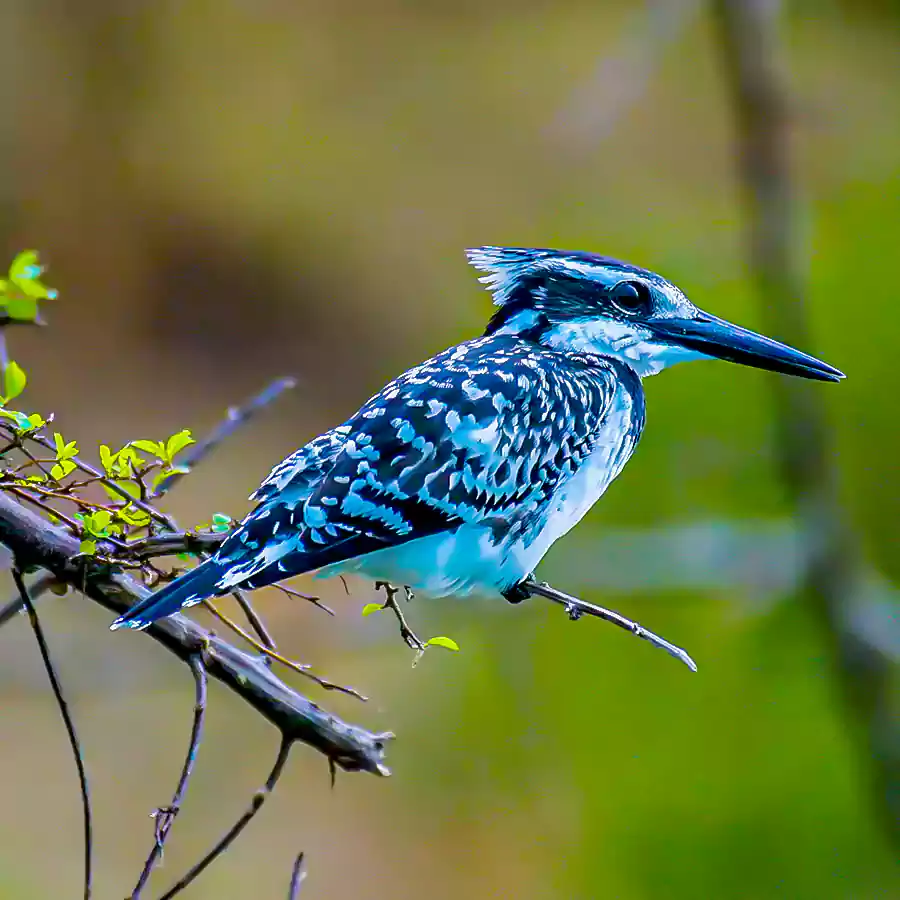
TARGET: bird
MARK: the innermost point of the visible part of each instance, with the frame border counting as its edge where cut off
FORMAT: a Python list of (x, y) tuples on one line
[(458, 476)]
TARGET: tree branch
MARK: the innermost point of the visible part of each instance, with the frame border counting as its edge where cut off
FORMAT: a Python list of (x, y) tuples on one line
[(298, 876), (577, 608), (87, 816), (836, 579), (164, 818), (35, 542), (235, 417), (260, 797)]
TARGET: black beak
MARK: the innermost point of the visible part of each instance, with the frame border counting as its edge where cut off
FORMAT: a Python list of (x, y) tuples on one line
[(715, 337)]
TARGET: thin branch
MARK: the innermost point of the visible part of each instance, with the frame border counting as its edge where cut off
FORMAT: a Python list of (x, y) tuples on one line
[(413, 641), (259, 798), (300, 668), (234, 419), (164, 818), (87, 816), (255, 620), (35, 542), (43, 507), (36, 589), (290, 592), (298, 876), (577, 608), (172, 542)]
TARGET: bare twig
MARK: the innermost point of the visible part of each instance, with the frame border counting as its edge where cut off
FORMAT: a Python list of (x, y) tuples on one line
[(260, 797), (35, 542), (290, 592), (577, 608), (413, 641), (298, 876), (172, 542), (235, 417), (164, 817), (87, 816), (836, 578), (37, 588), (255, 620), (300, 668)]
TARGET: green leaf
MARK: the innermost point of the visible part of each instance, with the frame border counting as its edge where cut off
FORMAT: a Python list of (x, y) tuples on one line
[(167, 473), (151, 447), (21, 420), (136, 518), (107, 458), (178, 442), (129, 487), (442, 641), (21, 308), (88, 547), (35, 289), (13, 380), (370, 608), (62, 468), (23, 266), (100, 520), (221, 522), (36, 420)]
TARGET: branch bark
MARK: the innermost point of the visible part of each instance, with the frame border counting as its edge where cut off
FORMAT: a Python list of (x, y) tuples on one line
[(34, 542), (836, 579)]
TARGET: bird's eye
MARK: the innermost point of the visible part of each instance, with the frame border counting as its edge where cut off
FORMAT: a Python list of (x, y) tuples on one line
[(631, 297)]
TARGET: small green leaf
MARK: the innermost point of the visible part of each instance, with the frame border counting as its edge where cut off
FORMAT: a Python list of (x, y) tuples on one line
[(136, 518), (88, 547), (21, 420), (107, 458), (36, 420), (21, 308), (62, 468), (13, 380), (129, 487), (34, 288), (442, 641), (100, 519), (151, 447), (221, 522), (370, 608), (178, 442), (24, 266)]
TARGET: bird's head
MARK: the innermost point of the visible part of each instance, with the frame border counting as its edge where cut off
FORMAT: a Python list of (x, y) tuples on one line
[(581, 302)]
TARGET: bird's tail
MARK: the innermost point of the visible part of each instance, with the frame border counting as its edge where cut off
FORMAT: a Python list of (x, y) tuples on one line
[(188, 589)]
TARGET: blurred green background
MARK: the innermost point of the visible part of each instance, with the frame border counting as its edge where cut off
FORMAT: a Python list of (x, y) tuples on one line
[(232, 191)]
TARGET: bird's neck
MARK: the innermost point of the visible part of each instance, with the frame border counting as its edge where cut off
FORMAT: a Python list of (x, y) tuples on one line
[(611, 340)]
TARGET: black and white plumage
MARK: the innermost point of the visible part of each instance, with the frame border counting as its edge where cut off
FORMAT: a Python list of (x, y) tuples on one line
[(459, 475)]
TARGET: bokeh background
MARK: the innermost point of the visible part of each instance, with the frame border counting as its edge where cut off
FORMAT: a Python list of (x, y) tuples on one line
[(231, 191)]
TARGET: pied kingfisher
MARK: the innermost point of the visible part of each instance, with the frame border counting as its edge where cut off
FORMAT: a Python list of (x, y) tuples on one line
[(458, 476)]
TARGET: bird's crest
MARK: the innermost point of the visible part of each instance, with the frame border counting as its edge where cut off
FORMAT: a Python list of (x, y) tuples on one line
[(505, 267), (508, 268)]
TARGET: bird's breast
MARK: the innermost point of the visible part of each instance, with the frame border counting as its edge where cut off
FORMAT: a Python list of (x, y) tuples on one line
[(614, 443)]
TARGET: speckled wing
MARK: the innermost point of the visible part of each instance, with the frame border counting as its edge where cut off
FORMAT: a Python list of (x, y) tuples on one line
[(305, 468), (482, 433)]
